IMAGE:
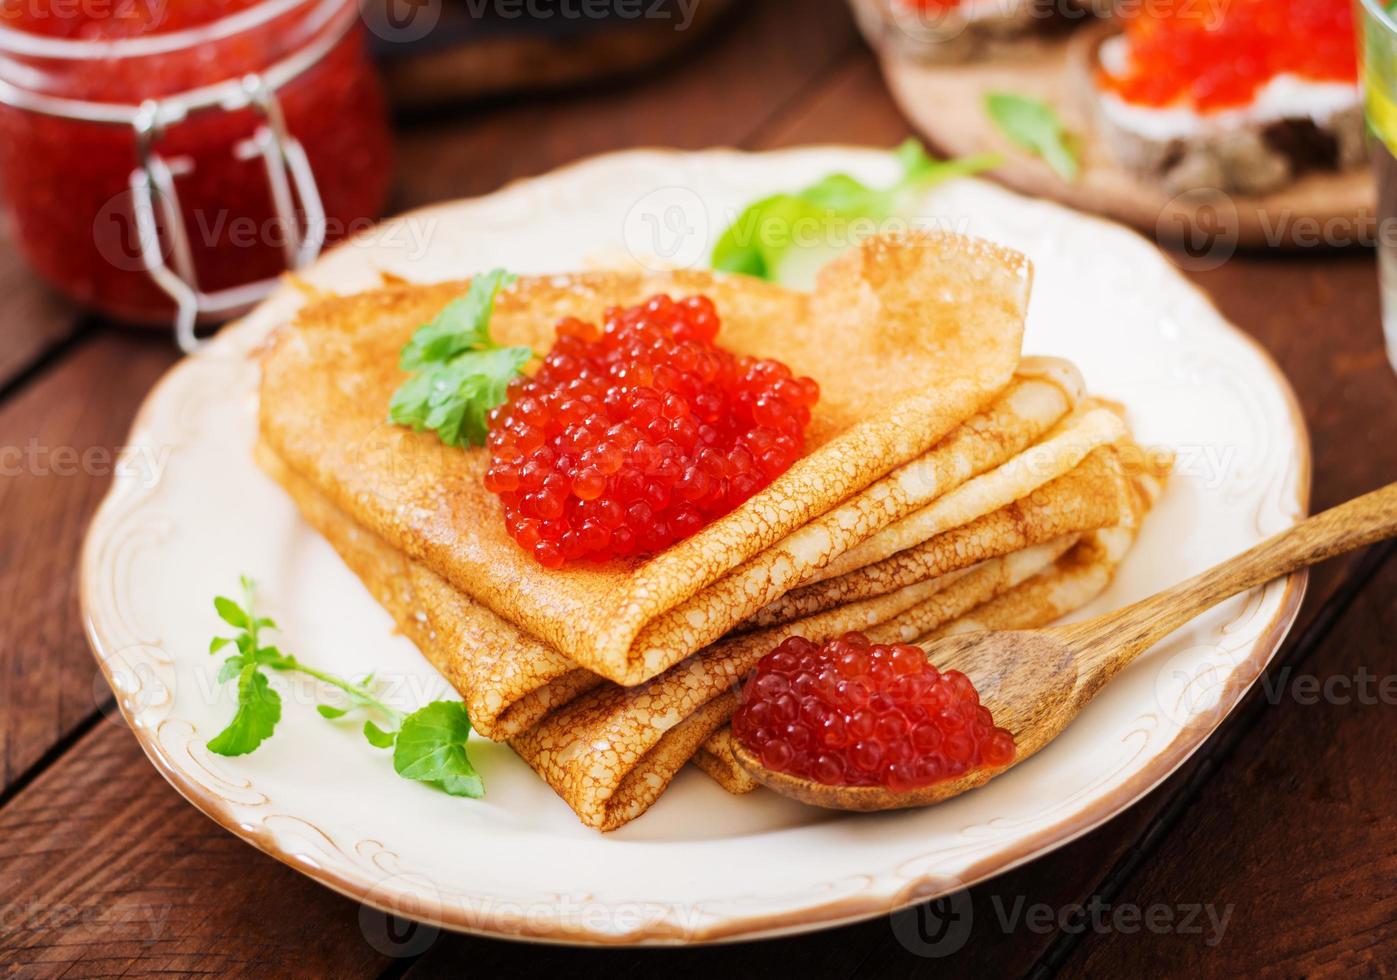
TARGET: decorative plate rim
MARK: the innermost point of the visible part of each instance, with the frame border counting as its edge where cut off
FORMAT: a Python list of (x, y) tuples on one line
[(728, 927)]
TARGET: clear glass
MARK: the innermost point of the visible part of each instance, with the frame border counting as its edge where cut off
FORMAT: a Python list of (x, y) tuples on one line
[(1377, 72)]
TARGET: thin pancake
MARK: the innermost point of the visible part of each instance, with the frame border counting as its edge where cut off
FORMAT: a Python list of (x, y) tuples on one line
[(1042, 393), (1080, 576), (509, 680), (611, 753), (1092, 495), (908, 336), (504, 695), (1089, 427), (717, 761)]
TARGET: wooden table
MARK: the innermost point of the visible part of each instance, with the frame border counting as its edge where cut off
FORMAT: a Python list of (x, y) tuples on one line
[(1284, 823)]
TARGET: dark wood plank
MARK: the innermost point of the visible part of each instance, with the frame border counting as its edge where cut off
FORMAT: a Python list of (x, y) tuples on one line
[(1296, 840), (105, 870), (761, 62), (60, 435), (34, 317), (1318, 316)]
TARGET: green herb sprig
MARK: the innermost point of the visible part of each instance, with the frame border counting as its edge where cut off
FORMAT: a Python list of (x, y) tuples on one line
[(458, 372), (1035, 127), (429, 745), (766, 232)]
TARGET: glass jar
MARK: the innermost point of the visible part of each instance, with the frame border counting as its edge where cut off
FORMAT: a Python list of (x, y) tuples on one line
[(175, 173)]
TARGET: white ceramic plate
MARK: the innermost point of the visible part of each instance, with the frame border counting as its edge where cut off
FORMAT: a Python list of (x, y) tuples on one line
[(190, 512)]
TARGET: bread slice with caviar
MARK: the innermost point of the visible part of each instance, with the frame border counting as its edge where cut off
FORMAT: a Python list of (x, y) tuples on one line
[(948, 31), (1281, 127)]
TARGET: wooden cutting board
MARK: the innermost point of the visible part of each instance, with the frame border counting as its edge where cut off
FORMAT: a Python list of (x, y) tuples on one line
[(475, 50), (946, 104)]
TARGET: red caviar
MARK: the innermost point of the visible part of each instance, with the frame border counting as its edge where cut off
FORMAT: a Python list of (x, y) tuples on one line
[(851, 713), (636, 435), (1213, 57)]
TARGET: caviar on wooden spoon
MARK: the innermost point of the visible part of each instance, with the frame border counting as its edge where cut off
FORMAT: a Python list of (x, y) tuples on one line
[(854, 726), (863, 726)]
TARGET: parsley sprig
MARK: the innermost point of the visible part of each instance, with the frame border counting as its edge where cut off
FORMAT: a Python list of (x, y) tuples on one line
[(458, 371), (769, 230), (429, 745)]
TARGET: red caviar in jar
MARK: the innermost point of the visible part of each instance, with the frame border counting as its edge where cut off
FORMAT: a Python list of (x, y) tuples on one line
[(1213, 57), (852, 713), (67, 179), (635, 435)]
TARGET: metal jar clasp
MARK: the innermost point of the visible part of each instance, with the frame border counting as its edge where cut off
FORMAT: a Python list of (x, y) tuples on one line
[(153, 196)]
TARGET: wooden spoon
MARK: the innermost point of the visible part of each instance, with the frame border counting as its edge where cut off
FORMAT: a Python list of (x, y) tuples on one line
[(1036, 681)]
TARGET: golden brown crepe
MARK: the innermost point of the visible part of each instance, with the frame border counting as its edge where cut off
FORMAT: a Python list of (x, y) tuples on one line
[(1091, 495), (508, 679), (908, 336), (1043, 391), (611, 752), (504, 694), (617, 732), (1089, 427), (715, 758), (1080, 575), (1069, 583)]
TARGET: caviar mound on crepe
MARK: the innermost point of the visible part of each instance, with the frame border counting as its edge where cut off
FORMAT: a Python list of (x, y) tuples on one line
[(908, 336)]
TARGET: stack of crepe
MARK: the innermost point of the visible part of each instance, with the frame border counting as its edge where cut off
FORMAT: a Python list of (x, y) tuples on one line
[(948, 484)]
